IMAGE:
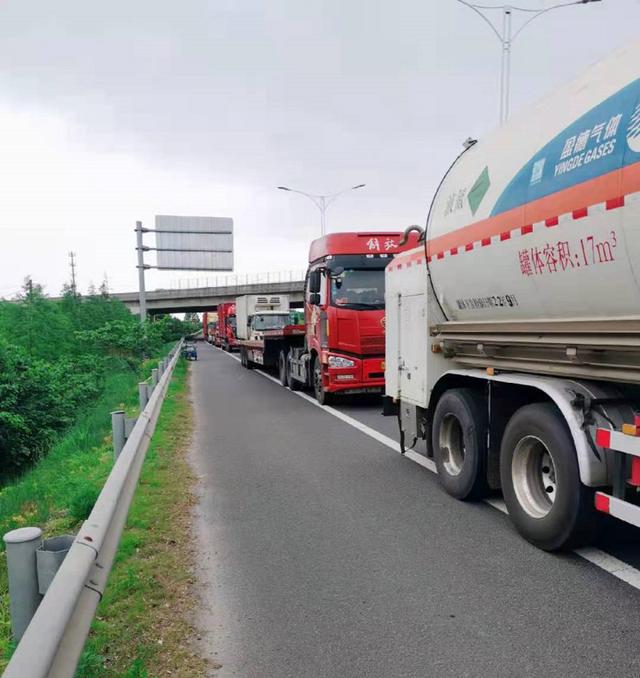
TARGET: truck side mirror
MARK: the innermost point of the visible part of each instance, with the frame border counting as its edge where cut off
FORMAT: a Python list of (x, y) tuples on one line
[(314, 281), (314, 299)]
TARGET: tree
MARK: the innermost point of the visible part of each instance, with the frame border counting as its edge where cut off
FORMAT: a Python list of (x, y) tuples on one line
[(104, 287), (30, 291)]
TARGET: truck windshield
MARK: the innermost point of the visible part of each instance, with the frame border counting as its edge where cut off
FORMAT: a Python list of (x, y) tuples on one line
[(270, 321), (358, 289), (231, 321)]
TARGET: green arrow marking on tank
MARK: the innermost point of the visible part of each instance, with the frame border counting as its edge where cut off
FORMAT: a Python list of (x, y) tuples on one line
[(479, 190)]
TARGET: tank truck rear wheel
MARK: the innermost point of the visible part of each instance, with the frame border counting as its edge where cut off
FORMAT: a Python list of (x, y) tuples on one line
[(547, 503), (459, 436), (292, 383), (322, 396), (282, 368)]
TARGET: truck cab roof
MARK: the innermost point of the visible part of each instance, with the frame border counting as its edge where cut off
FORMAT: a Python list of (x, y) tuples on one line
[(365, 242)]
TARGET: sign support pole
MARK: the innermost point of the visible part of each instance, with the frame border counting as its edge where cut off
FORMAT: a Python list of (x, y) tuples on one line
[(141, 267)]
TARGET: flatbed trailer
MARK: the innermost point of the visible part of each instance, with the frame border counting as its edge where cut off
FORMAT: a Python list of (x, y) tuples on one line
[(272, 350)]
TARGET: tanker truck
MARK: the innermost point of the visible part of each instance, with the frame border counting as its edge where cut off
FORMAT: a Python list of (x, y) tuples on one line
[(513, 329)]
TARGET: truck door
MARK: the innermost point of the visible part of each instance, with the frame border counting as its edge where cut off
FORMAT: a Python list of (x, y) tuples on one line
[(412, 362)]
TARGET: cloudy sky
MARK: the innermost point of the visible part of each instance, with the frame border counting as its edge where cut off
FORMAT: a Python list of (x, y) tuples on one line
[(120, 110)]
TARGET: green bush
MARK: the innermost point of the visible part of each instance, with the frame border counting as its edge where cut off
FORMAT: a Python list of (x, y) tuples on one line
[(54, 357)]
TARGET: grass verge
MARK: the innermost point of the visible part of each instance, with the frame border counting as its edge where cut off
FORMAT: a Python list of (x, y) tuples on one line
[(142, 626), (58, 493)]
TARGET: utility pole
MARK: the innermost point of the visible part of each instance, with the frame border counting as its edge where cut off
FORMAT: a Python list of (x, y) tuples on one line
[(141, 267), (506, 36), (74, 289)]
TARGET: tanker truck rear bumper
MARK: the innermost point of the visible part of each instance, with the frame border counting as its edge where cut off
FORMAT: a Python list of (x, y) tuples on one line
[(625, 446)]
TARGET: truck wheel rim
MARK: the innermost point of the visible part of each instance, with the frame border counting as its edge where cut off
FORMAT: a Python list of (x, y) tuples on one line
[(452, 444), (534, 476)]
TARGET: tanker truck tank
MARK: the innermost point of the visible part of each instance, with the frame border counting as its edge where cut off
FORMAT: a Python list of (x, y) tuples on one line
[(512, 337), (541, 220)]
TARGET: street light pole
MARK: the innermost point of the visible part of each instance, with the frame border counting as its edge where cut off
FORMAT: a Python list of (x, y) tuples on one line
[(321, 201), (506, 37)]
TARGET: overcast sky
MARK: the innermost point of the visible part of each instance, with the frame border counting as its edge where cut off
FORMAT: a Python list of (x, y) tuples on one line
[(120, 110)]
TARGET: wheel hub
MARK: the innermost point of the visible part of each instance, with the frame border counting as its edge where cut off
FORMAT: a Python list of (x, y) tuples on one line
[(452, 445), (534, 476)]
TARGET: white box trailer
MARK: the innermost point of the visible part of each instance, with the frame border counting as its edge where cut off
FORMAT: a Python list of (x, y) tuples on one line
[(250, 304), (513, 331)]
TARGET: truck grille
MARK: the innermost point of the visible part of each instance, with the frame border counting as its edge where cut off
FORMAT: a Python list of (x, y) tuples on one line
[(372, 345)]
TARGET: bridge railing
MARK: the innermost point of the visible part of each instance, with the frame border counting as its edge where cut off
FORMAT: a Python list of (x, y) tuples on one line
[(237, 279)]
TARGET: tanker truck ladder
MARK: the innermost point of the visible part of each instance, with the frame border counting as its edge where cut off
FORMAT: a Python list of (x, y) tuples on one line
[(605, 350), (625, 446)]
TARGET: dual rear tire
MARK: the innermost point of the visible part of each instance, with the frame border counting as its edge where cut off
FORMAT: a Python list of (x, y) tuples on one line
[(546, 501), (540, 479)]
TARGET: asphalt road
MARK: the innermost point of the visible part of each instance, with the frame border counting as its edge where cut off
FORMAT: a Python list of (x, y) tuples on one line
[(325, 553)]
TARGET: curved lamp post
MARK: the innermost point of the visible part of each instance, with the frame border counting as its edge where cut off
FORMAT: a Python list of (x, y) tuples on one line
[(507, 36), (321, 201)]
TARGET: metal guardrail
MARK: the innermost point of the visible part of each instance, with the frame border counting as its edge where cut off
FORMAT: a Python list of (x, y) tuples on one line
[(53, 642)]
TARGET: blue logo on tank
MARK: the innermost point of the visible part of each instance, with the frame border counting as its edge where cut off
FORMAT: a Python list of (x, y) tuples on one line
[(601, 141)]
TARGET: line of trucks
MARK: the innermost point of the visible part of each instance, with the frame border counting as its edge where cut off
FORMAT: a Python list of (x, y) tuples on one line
[(506, 333)]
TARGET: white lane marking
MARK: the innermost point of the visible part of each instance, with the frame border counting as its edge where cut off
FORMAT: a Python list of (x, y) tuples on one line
[(610, 564), (497, 503), (419, 459)]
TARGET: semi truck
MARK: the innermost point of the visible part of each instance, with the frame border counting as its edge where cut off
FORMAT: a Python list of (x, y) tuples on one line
[(342, 351), (264, 328), (513, 329), (209, 325), (225, 336)]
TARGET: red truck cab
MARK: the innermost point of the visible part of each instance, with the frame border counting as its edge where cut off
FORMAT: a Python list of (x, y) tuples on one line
[(344, 313), (225, 336)]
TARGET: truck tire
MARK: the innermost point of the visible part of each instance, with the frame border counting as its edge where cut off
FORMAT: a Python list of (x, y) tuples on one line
[(459, 435), (292, 383), (547, 502), (322, 396), (282, 368)]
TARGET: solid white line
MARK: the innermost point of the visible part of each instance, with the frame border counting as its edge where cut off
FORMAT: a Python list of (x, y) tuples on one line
[(610, 564)]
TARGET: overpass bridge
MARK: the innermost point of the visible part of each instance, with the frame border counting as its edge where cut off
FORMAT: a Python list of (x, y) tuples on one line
[(221, 289)]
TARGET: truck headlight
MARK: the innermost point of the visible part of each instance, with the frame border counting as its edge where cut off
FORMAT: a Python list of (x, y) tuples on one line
[(338, 361)]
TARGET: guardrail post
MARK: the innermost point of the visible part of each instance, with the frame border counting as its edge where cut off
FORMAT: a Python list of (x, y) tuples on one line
[(129, 423), (117, 429), (154, 378), (143, 395), (160, 368), (24, 596)]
